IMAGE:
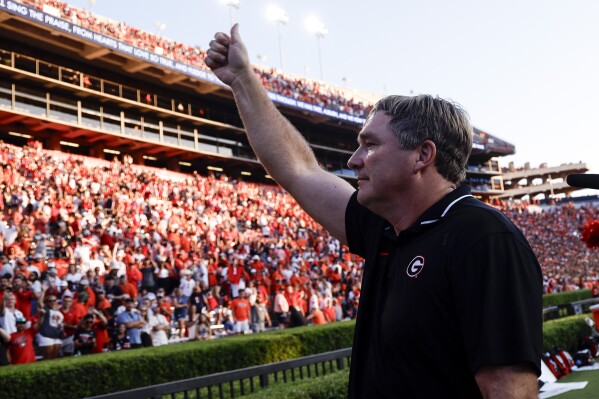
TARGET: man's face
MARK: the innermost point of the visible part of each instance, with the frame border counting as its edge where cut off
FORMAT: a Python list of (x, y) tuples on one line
[(9, 300), (67, 301), (88, 324), (50, 301), (380, 165)]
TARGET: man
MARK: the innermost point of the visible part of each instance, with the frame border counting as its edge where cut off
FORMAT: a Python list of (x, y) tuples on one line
[(21, 341), (259, 315), (281, 308), (85, 337), (113, 292), (132, 319), (9, 313), (72, 313), (24, 295), (444, 276), (240, 308)]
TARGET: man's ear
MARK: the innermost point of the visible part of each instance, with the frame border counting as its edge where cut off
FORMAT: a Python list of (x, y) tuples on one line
[(427, 153)]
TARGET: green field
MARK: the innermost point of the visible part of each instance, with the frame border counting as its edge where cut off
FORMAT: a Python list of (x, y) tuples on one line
[(590, 392)]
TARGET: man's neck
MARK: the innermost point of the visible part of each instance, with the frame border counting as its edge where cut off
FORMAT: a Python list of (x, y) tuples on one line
[(406, 210)]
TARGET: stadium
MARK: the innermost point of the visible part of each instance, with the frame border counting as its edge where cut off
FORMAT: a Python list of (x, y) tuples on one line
[(120, 146)]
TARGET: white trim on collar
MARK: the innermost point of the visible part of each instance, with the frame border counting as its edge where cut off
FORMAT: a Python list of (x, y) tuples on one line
[(446, 209)]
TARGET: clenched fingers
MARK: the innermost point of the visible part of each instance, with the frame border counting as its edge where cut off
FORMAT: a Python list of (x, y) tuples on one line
[(218, 51)]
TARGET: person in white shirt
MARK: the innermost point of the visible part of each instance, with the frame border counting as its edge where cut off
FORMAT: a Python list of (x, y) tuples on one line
[(159, 328), (10, 232), (10, 314), (187, 283)]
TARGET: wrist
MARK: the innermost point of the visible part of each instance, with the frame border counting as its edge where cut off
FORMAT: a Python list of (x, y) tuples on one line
[(244, 78)]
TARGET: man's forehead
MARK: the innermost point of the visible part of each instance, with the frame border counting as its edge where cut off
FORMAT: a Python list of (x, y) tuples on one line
[(375, 122)]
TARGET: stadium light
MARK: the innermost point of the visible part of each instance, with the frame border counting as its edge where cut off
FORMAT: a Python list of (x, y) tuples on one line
[(184, 163), (149, 158), (320, 31), (69, 144), (108, 151), (244, 173), (25, 136), (279, 16), (232, 4), (261, 58), (160, 26), (214, 168)]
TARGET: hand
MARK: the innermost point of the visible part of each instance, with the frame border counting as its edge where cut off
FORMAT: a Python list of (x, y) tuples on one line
[(228, 57)]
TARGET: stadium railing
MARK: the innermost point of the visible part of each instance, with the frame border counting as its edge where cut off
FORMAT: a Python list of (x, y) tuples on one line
[(290, 370)]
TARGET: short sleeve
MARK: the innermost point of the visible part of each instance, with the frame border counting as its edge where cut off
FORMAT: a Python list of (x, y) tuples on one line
[(360, 226)]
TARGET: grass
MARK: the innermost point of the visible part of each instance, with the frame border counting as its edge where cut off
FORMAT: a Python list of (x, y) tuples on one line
[(591, 391)]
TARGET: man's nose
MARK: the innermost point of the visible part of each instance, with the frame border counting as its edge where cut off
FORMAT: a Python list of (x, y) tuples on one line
[(355, 161)]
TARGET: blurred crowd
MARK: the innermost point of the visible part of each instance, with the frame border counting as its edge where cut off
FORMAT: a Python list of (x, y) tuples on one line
[(301, 89), (554, 233), (98, 256)]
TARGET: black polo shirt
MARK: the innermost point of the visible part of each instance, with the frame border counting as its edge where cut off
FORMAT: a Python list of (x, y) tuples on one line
[(458, 290)]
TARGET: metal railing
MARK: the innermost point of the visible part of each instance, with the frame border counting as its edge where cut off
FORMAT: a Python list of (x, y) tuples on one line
[(569, 309), (215, 384)]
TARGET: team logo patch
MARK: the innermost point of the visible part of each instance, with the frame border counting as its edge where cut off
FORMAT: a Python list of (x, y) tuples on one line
[(415, 266)]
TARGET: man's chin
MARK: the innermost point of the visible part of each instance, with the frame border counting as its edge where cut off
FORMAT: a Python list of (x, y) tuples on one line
[(363, 198)]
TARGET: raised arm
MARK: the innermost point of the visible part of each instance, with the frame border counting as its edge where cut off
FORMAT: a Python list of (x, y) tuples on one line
[(283, 151)]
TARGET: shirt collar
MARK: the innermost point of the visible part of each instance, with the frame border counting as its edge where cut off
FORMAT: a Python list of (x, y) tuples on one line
[(436, 212)]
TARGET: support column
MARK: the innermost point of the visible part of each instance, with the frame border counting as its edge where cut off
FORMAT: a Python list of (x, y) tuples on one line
[(52, 143), (173, 164)]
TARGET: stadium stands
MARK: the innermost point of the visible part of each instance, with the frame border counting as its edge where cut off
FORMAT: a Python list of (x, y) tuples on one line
[(77, 223), (112, 219), (314, 93)]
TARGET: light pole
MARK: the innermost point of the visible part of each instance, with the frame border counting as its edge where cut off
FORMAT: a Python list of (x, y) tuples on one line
[(91, 5), (231, 4), (160, 26), (261, 58), (320, 31), (280, 17)]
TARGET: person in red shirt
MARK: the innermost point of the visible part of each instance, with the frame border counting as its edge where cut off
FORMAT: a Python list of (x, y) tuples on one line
[(24, 295), (241, 307), (134, 275), (329, 310), (235, 275), (317, 317), (100, 327), (127, 287), (21, 342), (73, 314), (101, 301), (163, 305)]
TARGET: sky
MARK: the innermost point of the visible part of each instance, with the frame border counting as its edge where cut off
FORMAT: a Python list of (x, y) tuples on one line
[(526, 71)]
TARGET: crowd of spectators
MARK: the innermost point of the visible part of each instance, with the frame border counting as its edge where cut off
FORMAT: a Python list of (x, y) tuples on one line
[(98, 255), (554, 233), (301, 89)]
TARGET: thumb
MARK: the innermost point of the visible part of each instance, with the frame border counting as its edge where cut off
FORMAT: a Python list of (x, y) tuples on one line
[(235, 36)]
